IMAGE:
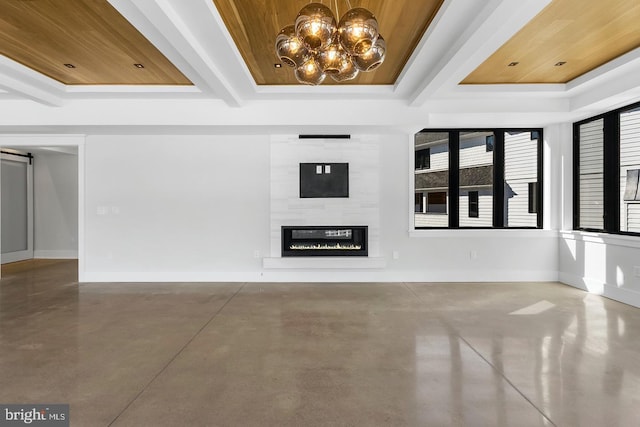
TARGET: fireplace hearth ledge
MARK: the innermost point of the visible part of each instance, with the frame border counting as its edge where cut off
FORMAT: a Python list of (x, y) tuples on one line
[(331, 263)]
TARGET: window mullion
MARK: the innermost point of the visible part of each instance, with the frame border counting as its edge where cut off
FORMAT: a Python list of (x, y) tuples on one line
[(454, 179), (498, 179), (611, 197)]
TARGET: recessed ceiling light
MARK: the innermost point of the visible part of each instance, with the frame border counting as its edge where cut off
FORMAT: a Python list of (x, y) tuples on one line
[(560, 64), (513, 64), (138, 65), (277, 65), (69, 65)]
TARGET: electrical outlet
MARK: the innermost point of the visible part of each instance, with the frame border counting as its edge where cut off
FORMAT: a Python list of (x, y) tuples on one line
[(256, 253), (636, 271), (473, 254), (396, 255)]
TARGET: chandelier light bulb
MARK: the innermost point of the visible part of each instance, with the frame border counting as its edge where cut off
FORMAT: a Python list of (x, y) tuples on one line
[(358, 30), (373, 58), (347, 70), (330, 59), (315, 46), (315, 26), (289, 48), (310, 73)]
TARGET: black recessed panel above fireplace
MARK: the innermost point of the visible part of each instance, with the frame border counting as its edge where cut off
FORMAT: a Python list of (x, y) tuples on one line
[(318, 180), (324, 241)]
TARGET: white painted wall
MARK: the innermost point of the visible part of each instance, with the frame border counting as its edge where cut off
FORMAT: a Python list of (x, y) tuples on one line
[(55, 182), (176, 208), (181, 208), (596, 262)]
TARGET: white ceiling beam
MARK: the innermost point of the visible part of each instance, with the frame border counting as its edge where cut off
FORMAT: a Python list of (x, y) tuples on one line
[(26, 83), (490, 28), (169, 32)]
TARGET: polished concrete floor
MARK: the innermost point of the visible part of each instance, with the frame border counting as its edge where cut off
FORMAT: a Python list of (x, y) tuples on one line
[(331, 354)]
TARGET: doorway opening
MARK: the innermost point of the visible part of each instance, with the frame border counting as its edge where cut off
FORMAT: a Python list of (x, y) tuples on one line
[(47, 203)]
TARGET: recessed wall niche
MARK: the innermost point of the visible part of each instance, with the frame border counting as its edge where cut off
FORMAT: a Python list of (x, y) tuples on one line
[(362, 207)]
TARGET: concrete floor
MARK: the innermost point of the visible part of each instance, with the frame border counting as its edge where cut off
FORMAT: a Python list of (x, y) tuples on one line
[(334, 354)]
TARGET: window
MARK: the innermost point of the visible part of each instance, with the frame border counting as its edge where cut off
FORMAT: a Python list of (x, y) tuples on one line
[(473, 204), (590, 174), (521, 179), (476, 178), (419, 203), (607, 171), (423, 158), (432, 183), (533, 197), (485, 178), (437, 202), (630, 170), (489, 139)]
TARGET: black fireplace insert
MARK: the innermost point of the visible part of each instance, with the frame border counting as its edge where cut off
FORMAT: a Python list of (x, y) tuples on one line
[(324, 241)]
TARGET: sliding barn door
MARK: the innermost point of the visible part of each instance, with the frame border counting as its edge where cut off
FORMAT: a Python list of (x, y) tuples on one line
[(16, 203)]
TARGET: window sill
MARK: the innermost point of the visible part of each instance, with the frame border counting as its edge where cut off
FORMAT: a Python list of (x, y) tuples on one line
[(484, 232), (602, 238)]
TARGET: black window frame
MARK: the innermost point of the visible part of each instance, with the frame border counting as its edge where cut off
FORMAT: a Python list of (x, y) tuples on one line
[(453, 208), (611, 170)]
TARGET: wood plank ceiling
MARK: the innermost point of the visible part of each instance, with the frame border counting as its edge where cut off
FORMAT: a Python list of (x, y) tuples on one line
[(566, 40), (254, 26), (103, 46), (90, 35)]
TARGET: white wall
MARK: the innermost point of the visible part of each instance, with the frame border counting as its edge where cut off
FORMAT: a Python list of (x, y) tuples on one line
[(596, 262), (55, 188), (180, 208), (176, 208)]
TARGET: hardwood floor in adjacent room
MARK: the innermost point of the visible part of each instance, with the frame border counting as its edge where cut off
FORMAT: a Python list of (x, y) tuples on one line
[(303, 354)]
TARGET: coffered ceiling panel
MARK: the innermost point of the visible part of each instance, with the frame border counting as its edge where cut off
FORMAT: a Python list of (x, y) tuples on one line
[(254, 26), (81, 42), (567, 39)]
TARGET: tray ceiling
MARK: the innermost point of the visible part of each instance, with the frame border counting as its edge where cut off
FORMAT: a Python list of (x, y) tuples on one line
[(98, 45), (255, 25), (566, 40)]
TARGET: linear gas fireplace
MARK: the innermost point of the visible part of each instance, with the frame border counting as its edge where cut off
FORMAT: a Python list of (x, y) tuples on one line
[(324, 241)]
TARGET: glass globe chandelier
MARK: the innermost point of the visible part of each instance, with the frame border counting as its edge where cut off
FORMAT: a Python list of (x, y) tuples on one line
[(316, 46)]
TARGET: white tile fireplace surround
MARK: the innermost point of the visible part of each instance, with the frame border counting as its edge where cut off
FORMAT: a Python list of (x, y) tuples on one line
[(362, 207)]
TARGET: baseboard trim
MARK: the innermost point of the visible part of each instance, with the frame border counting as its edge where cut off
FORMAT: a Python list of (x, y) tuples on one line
[(44, 254), (626, 296)]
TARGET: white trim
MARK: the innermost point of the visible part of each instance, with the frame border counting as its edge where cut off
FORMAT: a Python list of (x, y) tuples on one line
[(348, 262), (46, 254), (626, 296), (28, 252), (602, 238), (16, 256), (328, 276), (507, 233), (81, 211)]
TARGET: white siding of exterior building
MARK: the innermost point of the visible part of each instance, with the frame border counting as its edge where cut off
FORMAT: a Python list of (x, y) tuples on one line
[(431, 220), (473, 151), (520, 168), (629, 159), (485, 209), (591, 175), (439, 157)]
